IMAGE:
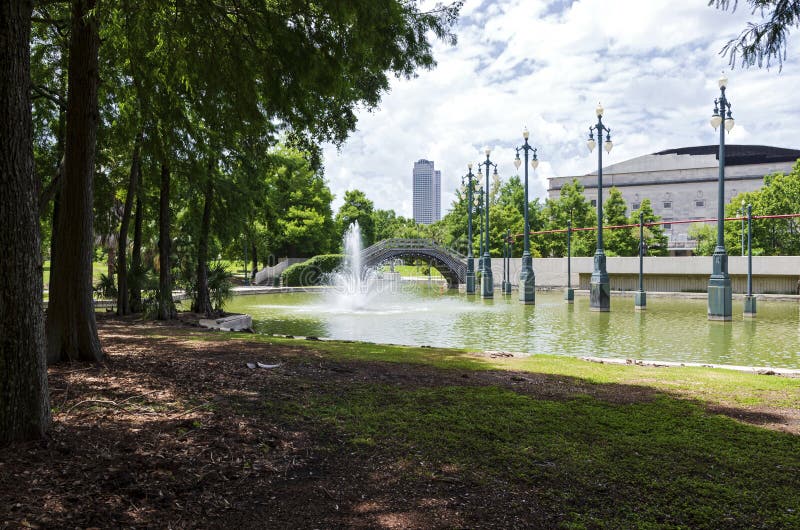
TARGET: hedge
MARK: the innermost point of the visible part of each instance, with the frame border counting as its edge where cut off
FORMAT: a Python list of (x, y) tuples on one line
[(311, 272)]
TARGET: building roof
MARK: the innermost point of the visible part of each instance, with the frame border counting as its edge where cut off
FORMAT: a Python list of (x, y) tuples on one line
[(738, 155)]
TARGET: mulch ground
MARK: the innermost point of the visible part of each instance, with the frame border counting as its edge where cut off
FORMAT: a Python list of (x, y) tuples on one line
[(160, 438)]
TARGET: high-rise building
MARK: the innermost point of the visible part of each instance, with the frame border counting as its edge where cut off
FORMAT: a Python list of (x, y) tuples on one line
[(427, 192)]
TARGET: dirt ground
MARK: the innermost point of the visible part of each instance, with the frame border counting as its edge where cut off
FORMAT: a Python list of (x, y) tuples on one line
[(167, 436)]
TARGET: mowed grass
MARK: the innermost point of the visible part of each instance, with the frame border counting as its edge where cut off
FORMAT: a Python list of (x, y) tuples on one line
[(98, 268), (629, 447)]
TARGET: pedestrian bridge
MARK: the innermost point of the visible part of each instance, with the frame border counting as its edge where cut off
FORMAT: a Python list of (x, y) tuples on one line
[(451, 264)]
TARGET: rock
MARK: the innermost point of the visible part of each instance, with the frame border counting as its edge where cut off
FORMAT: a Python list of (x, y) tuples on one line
[(229, 323)]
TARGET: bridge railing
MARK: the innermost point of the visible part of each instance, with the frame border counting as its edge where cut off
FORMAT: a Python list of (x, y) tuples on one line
[(411, 243)]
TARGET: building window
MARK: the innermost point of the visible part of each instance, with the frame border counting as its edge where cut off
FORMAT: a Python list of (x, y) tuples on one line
[(700, 203), (594, 202), (667, 225), (636, 205), (667, 205)]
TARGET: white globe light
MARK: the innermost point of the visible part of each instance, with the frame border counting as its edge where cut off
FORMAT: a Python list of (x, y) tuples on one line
[(599, 110), (525, 133), (715, 120), (729, 124), (487, 151), (723, 81), (608, 145), (517, 162), (590, 143), (534, 163)]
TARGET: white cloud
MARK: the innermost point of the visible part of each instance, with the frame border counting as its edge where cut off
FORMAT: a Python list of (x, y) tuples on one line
[(545, 65)]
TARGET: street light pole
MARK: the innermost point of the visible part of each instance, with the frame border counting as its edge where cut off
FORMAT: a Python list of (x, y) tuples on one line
[(750, 299), (527, 278), (569, 294), (599, 286), (470, 287), (742, 211), (487, 286), (719, 286), (640, 298)]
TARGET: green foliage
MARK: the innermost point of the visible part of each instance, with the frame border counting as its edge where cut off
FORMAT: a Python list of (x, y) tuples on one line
[(311, 272), (220, 286), (357, 207), (771, 237), (106, 287), (764, 41), (654, 237), (571, 204)]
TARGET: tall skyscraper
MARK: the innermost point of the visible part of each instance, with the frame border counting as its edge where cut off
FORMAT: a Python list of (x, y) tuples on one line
[(427, 192)]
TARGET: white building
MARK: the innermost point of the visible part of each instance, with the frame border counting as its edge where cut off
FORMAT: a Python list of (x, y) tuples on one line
[(682, 183), (427, 192)]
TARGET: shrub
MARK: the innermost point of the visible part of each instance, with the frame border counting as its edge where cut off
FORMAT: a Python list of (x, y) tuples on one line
[(312, 271)]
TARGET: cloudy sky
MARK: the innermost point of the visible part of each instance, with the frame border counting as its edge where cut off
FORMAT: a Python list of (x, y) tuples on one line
[(545, 64)]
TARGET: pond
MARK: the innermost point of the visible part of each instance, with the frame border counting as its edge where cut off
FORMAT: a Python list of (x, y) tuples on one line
[(671, 329)]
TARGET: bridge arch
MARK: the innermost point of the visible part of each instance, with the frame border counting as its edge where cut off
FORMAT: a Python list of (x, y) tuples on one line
[(449, 263)]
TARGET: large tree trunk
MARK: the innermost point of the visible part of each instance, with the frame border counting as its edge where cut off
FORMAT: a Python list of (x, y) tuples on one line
[(166, 307), (24, 402), (202, 303), (136, 258), (71, 327), (123, 305)]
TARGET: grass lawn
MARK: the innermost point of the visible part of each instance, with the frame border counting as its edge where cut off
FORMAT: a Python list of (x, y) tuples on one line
[(412, 270), (98, 268), (179, 431)]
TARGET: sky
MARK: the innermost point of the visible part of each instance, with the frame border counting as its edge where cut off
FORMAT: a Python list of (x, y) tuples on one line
[(546, 64)]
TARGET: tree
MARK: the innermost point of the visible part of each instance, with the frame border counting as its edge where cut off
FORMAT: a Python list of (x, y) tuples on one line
[(71, 327), (570, 205), (357, 207), (654, 237), (763, 42), (618, 241), (24, 399), (780, 195)]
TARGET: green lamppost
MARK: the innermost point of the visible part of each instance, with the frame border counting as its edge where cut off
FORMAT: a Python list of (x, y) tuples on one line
[(599, 287), (478, 202), (749, 298), (487, 286), (527, 278), (470, 188), (719, 285), (569, 293), (640, 297)]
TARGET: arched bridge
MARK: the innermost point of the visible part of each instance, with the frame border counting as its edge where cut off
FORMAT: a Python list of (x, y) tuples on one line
[(450, 263)]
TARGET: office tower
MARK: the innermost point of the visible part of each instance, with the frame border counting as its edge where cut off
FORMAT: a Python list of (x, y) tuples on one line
[(427, 192)]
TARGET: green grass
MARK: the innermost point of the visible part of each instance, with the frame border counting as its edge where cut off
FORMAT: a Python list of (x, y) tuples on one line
[(630, 447), (98, 268), (412, 270)]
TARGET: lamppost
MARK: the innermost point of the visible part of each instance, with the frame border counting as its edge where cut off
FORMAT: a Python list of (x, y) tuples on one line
[(640, 297), (478, 202), (509, 249), (749, 299), (569, 293), (487, 287), (719, 285), (527, 278), (470, 188), (742, 210), (599, 287)]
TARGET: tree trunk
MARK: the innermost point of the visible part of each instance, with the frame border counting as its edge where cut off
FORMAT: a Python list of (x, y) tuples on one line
[(255, 263), (123, 304), (202, 303), (166, 307), (71, 327), (24, 401), (136, 258)]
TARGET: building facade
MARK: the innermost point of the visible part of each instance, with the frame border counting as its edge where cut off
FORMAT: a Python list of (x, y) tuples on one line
[(682, 184), (427, 192)]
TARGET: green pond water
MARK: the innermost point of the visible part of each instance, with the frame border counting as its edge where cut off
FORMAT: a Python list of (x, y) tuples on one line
[(672, 329)]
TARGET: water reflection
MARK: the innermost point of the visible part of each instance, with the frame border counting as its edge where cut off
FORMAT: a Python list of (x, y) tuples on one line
[(670, 329)]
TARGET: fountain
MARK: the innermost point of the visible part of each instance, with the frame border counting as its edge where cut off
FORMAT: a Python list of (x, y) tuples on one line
[(353, 284)]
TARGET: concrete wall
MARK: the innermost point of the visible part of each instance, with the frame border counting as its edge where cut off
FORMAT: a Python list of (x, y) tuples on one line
[(771, 274)]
